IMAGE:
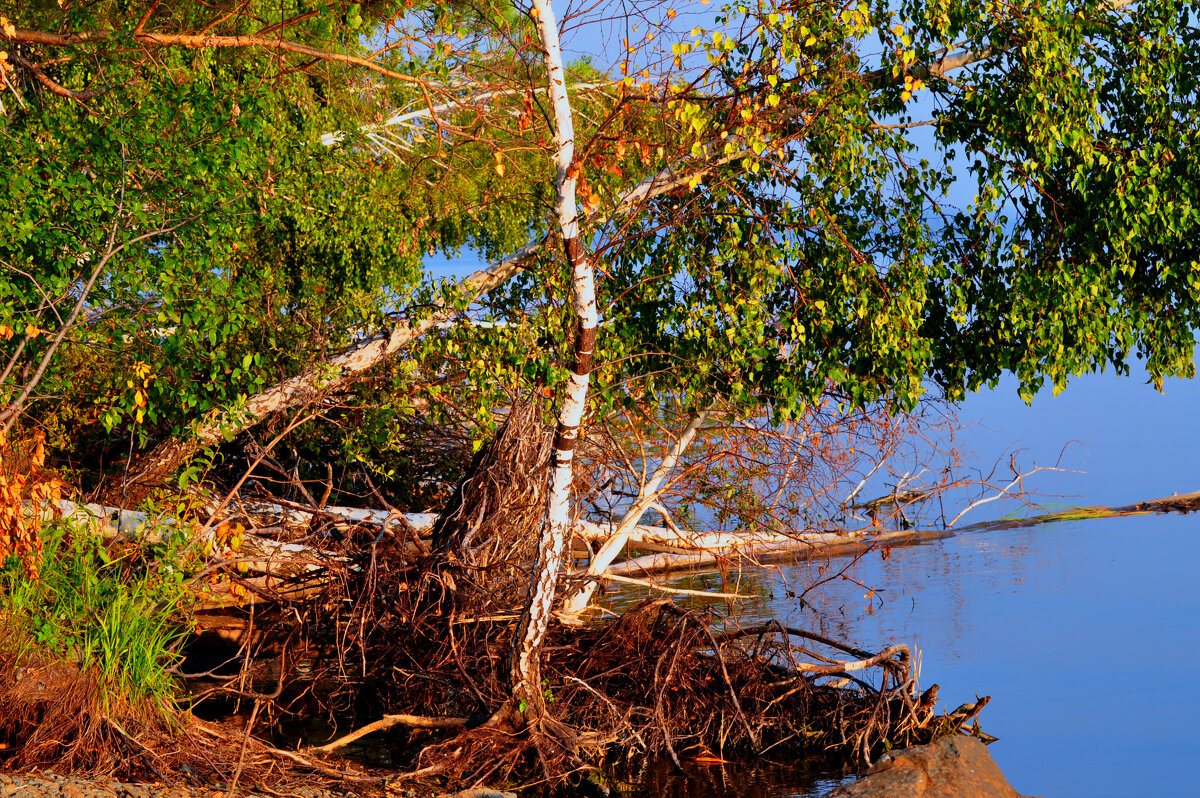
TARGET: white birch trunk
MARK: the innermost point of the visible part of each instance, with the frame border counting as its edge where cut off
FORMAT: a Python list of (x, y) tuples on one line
[(526, 665), (157, 467), (578, 600)]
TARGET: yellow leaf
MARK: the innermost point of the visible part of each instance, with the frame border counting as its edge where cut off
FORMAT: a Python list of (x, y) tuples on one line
[(31, 331), (500, 169), (141, 414), (6, 332), (906, 96)]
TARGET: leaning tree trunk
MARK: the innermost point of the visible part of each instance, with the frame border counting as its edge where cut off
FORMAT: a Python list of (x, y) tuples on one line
[(577, 600), (156, 468), (527, 644)]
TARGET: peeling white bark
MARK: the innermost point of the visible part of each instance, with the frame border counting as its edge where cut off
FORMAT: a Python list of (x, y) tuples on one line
[(648, 494), (552, 541), (421, 523)]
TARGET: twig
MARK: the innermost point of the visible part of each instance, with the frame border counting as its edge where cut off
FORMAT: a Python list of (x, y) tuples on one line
[(1003, 491), (237, 774), (629, 580), (328, 771)]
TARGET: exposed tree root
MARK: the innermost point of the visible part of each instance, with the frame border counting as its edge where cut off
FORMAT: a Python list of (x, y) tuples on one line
[(408, 647)]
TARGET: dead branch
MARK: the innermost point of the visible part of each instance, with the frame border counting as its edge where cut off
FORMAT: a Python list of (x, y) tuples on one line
[(898, 650), (387, 722), (200, 41), (676, 591)]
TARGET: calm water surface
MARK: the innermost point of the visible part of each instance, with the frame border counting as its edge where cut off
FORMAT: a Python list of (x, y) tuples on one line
[(1085, 634)]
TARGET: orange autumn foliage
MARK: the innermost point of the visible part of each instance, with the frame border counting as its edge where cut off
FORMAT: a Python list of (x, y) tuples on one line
[(27, 491)]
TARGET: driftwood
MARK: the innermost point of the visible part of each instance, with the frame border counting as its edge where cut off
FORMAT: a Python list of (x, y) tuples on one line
[(678, 550), (294, 570), (1179, 503)]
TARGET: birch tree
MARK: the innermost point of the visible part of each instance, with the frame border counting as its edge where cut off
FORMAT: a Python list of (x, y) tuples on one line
[(527, 650), (790, 205)]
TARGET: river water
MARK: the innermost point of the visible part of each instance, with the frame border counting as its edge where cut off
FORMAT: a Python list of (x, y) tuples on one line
[(1086, 634)]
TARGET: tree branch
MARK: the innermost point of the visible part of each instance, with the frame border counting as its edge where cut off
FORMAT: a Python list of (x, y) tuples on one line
[(198, 41)]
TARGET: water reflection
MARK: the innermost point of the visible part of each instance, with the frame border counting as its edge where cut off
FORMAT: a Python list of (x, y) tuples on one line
[(1087, 635), (762, 779)]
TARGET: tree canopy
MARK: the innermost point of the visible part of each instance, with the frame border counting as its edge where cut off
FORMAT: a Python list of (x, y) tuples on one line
[(784, 202)]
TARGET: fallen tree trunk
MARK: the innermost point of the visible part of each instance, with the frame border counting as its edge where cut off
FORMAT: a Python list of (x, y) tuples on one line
[(296, 516), (684, 550), (286, 569), (823, 544)]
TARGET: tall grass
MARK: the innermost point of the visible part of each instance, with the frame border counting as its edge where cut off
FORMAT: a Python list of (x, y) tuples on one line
[(110, 609)]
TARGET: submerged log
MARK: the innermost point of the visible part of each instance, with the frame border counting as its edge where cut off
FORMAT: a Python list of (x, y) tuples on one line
[(678, 550), (1178, 503), (728, 547)]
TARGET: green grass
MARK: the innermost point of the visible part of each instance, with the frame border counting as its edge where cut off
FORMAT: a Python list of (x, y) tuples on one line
[(112, 610)]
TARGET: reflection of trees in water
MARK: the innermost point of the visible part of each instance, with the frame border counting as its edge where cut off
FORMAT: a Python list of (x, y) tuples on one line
[(925, 594), (934, 585)]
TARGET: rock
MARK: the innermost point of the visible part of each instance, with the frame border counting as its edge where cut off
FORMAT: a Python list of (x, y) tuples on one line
[(479, 792), (950, 767)]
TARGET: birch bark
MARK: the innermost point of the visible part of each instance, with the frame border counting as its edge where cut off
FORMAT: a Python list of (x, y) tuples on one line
[(578, 600), (527, 644), (165, 459)]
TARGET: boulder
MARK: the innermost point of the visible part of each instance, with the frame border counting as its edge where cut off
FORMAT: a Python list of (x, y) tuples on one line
[(950, 767)]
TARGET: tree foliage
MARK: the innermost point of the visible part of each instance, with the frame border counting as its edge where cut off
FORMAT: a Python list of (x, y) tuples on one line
[(869, 200)]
